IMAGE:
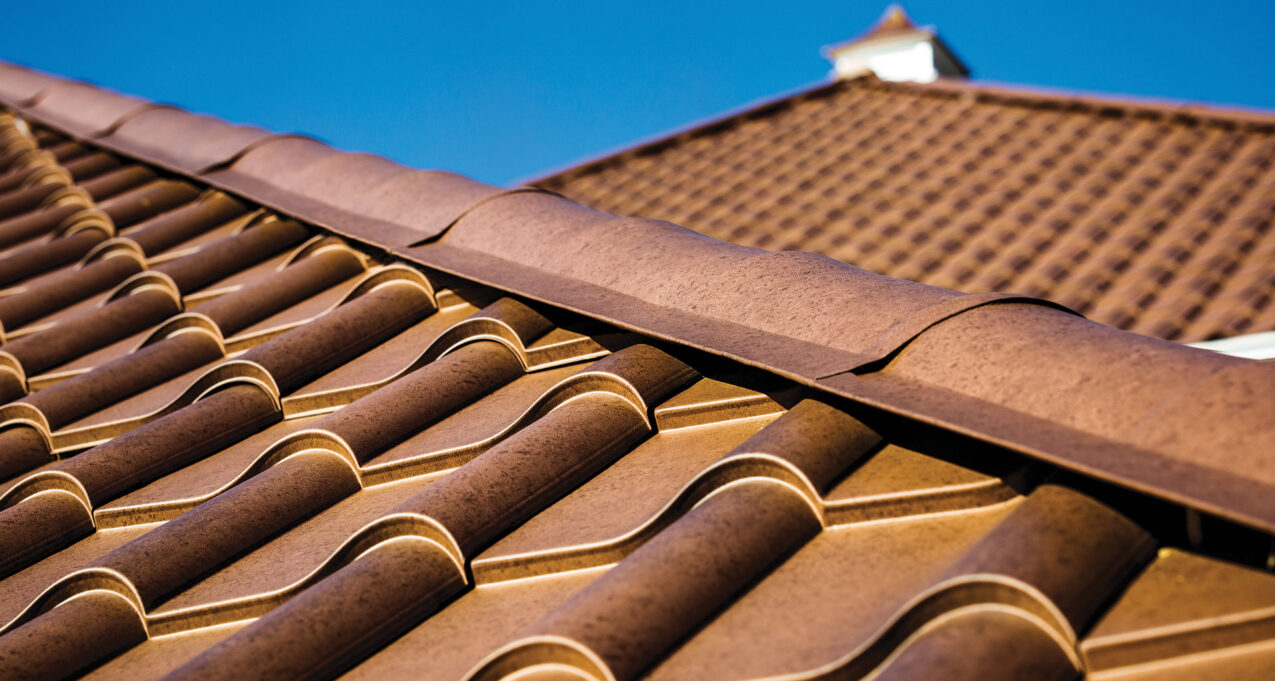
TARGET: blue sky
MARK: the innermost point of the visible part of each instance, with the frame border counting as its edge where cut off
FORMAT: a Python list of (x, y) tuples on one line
[(505, 90)]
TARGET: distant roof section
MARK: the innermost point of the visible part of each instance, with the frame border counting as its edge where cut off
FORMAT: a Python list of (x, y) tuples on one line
[(1151, 217), (895, 49)]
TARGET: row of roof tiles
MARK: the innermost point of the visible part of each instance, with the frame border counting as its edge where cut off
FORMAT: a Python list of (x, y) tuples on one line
[(325, 480), (821, 464)]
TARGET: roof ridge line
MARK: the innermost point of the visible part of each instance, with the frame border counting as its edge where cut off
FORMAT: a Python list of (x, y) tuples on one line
[(670, 283), (1010, 94)]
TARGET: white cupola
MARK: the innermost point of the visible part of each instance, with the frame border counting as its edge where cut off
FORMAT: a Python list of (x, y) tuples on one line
[(895, 49)]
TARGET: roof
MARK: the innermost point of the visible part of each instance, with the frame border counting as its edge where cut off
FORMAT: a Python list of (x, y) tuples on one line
[(279, 411), (1155, 218)]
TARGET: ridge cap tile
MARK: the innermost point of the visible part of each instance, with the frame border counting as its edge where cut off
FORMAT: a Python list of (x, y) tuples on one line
[(20, 85), (668, 265), (428, 200), (983, 352), (363, 196), (1211, 412), (83, 109), (175, 138), (280, 157), (783, 355)]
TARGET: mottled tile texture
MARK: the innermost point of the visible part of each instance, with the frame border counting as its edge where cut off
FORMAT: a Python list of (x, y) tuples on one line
[(273, 411)]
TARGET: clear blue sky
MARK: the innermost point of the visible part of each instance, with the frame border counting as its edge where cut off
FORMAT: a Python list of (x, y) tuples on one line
[(501, 91)]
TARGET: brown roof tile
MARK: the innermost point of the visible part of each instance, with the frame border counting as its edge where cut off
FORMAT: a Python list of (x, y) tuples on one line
[(1151, 218), (357, 195), (85, 110), (498, 434), (21, 85), (175, 139)]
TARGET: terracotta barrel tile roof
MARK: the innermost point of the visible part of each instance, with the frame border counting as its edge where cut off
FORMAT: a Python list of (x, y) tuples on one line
[(1152, 218), (276, 411)]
